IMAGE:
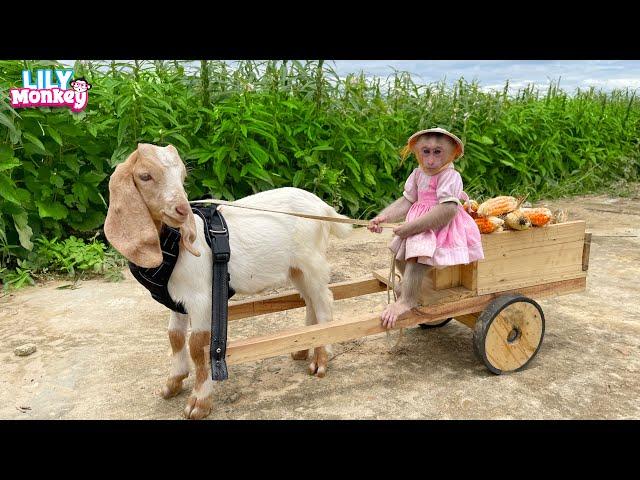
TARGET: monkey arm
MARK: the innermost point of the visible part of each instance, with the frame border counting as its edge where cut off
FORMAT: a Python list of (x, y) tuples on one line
[(435, 219), (396, 211)]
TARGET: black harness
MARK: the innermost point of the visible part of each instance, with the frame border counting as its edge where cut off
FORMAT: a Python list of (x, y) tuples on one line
[(156, 280)]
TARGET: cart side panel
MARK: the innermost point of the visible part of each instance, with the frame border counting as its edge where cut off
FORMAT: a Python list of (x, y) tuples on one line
[(469, 276), (585, 251), (455, 276), (517, 259), (447, 277)]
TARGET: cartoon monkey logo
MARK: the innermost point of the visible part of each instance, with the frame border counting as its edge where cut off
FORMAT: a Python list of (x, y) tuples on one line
[(80, 85)]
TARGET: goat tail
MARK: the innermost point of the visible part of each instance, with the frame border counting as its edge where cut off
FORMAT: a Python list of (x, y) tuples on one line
[(340, 230)]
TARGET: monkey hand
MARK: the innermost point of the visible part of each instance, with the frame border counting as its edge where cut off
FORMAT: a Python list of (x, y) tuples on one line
[(405, 230), (373, 224)]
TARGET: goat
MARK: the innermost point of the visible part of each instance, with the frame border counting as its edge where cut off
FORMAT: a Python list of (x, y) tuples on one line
[(147, 191)]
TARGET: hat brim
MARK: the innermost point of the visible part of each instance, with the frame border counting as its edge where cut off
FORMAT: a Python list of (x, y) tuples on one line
[(413, 138)]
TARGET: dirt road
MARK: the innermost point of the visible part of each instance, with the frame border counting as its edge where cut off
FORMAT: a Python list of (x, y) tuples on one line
[(103, 351)]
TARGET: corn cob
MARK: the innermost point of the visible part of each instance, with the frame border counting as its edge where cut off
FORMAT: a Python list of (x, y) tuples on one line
[(471, 207), (559, 216), (497, 206), (538, 216), (489, 224), (517, 220)]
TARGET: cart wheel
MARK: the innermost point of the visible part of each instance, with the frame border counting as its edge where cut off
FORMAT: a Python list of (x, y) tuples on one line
[(425, 326), (508, 333)]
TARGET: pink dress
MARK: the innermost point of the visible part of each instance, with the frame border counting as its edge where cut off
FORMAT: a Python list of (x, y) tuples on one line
[(458, 242)]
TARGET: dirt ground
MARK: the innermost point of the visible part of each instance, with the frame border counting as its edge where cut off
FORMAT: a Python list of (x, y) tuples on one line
[(103, 351)]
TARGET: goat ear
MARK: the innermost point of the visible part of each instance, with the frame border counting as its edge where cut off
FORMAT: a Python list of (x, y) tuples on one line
[(129, 226), (188, 234)]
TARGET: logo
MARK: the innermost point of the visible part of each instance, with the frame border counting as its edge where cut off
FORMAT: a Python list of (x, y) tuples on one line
[(52, 88)]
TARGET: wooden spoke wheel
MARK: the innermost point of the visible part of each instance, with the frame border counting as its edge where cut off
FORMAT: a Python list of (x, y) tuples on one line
[(434, 325), (508, 333)]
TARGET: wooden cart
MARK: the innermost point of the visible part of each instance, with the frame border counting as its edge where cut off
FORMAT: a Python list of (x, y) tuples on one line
[(494, 297)]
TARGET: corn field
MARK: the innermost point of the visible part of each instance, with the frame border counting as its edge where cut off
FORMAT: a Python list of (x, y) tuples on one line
[(262, 125)]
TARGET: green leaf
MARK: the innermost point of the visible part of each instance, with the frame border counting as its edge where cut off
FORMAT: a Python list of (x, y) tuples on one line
[(24, 230), (71, 161), (6, 121), (368, 176), (181, 139), (93, 178), (55, 210), (257, 153), (297, 178), (90, 221), (122, 130), (54, 134), (220, 168), (258, 172), (8, 164), (6, 152), (352, 165), (93, 130), (8, 189), (57, 180), (34, 141)]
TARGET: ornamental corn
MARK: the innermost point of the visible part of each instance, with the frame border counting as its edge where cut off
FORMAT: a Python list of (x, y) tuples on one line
[(497, 206), (489, 224), (538, 216), (517, 220), (471, 207)]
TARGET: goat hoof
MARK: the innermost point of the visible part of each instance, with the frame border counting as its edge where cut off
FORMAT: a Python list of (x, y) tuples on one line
[(172, 388), (318, 365), (317, 370), (197, 408), (300, 355)]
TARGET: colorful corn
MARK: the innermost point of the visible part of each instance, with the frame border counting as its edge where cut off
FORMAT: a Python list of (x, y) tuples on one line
[(538, 216), (497, 206), (471, 207), (489, 224), (517, 220)]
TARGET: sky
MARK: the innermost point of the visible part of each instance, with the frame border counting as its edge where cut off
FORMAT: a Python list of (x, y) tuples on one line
[(493, 74)]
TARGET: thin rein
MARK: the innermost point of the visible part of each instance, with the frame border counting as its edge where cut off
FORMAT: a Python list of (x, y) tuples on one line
[(298, 214)]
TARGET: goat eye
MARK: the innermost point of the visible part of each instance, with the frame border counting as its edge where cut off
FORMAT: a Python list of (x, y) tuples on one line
[(145, 177)]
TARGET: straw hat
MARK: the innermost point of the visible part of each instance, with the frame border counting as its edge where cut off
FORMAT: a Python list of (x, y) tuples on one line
[(414, 138)]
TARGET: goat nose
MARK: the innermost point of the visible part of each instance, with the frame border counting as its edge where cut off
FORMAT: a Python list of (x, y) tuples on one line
[(182, 210)]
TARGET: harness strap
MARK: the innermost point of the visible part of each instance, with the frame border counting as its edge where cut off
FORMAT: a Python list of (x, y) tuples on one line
[(217, 236), (156, 279)]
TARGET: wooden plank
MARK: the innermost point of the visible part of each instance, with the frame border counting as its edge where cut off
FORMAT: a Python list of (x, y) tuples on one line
[(291, 299), (541, 264), (469, 320), (295, 339), (514, 285), (447, 277), (585, 251), (468, 275), (533, 237), (256, 348), (429, 296)]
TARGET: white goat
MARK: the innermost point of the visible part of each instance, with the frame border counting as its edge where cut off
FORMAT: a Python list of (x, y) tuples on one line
[(146, 191)]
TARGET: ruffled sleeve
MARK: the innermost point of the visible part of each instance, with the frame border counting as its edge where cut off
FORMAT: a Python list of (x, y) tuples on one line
[(449, 187), (411, 187)]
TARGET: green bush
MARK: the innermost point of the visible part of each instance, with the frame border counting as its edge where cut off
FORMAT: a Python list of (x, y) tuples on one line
[(271, 124), (72, 257)]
